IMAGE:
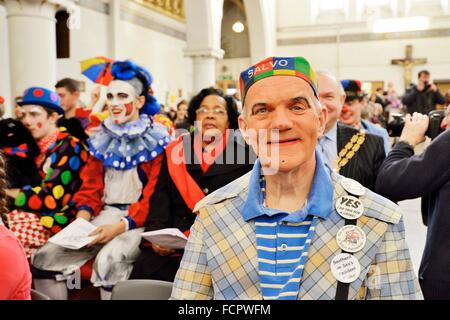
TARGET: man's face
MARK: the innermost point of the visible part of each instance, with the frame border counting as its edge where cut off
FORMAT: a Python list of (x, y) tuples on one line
[(351, 112), (424, 78), (123, 102), (68, 100), (331, 97), (281, 122), (36, 119)]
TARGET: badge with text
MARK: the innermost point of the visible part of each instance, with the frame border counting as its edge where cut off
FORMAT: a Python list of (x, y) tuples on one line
[(349, 207), (353, 187), (345, 268), (351, 238)]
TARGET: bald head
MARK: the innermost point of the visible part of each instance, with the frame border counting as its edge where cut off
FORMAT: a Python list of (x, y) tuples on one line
[(331, 95)]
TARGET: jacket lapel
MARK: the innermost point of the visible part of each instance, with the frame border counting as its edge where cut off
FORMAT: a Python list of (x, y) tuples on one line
[(318, 282)]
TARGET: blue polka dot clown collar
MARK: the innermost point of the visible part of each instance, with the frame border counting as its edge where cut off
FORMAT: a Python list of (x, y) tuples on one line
[(126, 146)]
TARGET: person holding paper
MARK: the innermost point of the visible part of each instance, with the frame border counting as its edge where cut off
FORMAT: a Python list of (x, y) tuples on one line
[(193, 166), (292, 229), (44, 208), (118, 181)]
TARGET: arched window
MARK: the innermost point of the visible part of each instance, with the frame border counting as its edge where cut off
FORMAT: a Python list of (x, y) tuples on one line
[(62, 35)]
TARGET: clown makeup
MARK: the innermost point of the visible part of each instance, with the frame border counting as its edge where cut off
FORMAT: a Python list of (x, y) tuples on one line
[(122, 101), (37, 120), (351, 113)]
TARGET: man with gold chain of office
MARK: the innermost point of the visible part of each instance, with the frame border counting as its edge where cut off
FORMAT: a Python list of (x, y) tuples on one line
[(346, 150)]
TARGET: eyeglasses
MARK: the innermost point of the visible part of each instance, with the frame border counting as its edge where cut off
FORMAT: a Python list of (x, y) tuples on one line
[(216, 111)]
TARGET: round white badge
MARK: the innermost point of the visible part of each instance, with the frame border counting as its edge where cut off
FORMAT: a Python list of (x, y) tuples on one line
[(353, 187), (345, 268), (351, 238), (349, 207)]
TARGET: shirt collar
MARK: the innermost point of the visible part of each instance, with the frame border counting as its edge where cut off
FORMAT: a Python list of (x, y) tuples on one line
[(319, 202), (332, 133)]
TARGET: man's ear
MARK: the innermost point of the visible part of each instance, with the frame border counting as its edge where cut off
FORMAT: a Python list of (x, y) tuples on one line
[(243, 127), (77, 94), (54, 117), (323, 116)]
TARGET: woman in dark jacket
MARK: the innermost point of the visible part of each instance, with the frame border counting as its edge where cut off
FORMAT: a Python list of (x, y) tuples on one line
[(193, 166)]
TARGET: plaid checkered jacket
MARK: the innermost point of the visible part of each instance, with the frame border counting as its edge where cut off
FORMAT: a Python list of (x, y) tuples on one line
[(220, 260)]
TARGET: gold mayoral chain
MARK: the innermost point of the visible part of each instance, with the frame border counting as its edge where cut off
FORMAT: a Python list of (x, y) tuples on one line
[(349, 151)]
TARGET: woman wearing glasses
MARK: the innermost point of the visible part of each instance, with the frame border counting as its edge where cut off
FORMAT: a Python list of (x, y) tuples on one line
[(194, 166)]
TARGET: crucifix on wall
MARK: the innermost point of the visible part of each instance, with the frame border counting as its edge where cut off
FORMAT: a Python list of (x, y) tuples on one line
[(408, 63)]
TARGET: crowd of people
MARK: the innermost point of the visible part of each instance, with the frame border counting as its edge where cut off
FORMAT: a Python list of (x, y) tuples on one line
[(291, 196)]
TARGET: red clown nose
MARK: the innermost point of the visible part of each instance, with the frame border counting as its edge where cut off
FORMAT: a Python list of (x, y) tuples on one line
[(344, 109)]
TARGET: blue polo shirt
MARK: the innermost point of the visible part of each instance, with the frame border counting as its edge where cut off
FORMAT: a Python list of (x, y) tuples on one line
[(283, 239)]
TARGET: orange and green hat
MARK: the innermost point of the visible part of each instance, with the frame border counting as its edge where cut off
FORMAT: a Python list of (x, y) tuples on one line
[(278, 66)]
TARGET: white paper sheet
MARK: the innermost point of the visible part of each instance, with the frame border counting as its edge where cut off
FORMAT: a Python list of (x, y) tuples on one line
[(170, 238), (75, 235)]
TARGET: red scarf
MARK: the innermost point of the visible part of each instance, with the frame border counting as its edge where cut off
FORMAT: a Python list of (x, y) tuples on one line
[(207, 158), (186, 185), (44, 144)]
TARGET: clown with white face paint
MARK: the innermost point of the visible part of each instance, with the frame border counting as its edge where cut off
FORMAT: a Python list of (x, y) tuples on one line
[(123, 102), (60, 159), (118, 181)]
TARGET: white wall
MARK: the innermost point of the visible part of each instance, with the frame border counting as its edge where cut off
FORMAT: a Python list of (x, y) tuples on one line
[(5, 88), (161, 54), (298, 33), (293, 13), (371, 60), (234, 67), (89, 41)]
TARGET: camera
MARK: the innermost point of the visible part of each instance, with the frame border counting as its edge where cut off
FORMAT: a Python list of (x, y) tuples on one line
[(395, 127), (427, 86)]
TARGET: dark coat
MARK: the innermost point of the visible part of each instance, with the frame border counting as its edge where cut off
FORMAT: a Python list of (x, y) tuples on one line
[(421, 101), (21, 171), (364, 165), (404, 175), (168, 209)]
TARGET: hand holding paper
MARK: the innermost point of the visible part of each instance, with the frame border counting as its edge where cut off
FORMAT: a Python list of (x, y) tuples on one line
[(75, 235), (169, 238)]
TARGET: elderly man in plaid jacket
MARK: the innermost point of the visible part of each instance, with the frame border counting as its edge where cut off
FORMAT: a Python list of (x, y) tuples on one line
[(291, 228)]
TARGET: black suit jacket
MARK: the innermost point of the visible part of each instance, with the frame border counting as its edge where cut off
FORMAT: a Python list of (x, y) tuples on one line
[(168, 209), (404, 175), (366, 162)]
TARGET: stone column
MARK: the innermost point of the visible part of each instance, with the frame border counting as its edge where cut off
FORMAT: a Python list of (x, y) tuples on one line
[(204, 67), (32, 44), (114, 23), (261, 22), (203, 24), (5, 90)]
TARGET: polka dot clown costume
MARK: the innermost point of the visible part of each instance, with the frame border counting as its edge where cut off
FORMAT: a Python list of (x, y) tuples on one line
[(43, 210), (118, 178)]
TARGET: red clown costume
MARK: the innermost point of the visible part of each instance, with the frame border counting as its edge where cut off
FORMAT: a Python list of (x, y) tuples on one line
[(118, 181)]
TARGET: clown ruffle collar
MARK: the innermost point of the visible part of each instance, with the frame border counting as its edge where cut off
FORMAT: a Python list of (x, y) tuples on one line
[(123, 147)]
